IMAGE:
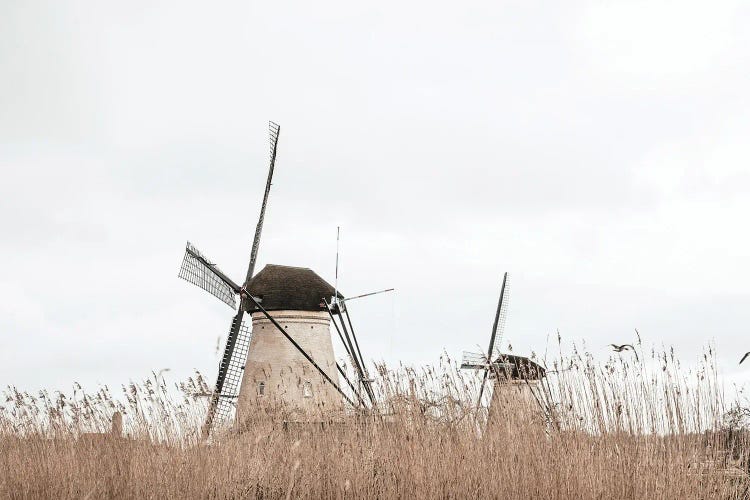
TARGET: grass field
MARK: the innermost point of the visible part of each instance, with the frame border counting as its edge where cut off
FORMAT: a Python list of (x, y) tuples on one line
[(618, 429)]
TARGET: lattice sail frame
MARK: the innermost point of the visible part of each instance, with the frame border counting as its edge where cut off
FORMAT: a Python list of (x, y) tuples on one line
[(478, 361), (194, 271), (474, 361), (273, 139), (226, 406), (501, 319)]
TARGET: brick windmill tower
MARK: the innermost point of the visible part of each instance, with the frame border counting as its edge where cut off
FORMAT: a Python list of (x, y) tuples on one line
[(276, 374)]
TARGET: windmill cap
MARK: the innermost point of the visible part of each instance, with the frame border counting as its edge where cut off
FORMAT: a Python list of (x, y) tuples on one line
[(520, 367), (288, 288)]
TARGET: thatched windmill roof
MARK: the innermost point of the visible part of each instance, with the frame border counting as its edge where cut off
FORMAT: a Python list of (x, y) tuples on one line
[(290, 288), (519, 367)]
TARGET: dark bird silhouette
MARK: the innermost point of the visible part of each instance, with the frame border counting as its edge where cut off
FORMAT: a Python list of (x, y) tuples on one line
[(744, 357), (624, 347)]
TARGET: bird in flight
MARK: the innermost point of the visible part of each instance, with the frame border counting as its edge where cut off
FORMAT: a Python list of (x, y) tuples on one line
[(744, 357), (624, 347)]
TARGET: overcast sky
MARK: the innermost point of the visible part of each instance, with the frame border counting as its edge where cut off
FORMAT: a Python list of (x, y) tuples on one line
[(598, 151)]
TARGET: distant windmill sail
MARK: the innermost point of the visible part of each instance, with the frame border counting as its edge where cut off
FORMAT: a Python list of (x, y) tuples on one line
[(497, 331), (499, 326), (474, 361)]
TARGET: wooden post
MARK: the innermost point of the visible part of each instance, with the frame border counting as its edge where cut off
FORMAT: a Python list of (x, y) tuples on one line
[(116, 425)]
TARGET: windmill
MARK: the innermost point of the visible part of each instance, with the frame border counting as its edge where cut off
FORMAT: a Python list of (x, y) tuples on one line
[(282, 290), (496, 365)]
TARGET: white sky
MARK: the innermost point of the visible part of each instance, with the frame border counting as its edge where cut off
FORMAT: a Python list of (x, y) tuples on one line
[(596, 150)]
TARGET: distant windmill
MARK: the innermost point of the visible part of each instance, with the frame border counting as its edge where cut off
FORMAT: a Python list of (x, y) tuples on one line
[(495, 365)]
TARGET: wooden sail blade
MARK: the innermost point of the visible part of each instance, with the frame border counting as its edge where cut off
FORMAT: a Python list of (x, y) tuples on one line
[(474, 361), (233, 371), (222, 404), (497, 329), (231, 352), (198, 270), (502, 316), (273, 130)]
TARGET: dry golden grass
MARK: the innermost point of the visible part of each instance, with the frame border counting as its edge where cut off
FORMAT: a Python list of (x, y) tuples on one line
[(616, 430)]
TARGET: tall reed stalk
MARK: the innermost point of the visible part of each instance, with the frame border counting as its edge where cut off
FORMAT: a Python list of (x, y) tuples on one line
[(624, 428)]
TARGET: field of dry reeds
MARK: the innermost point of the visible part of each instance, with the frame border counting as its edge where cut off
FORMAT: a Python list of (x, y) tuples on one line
[(618, 429)]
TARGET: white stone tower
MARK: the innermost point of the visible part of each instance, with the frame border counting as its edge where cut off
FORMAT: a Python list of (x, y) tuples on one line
[(277, 377)]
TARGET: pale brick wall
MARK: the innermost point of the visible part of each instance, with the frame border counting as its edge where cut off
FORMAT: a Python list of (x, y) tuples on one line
[(274, 361), (514, 400)]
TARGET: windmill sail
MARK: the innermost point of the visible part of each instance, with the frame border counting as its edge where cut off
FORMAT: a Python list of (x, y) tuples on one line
[(235, 333), (273, 131), (230, 376), (478, 361), (474, 361), (497, 328), (200, 271)]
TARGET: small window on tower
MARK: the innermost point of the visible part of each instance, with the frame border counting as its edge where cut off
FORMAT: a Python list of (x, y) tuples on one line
[(261, 388), (307, 390)]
